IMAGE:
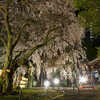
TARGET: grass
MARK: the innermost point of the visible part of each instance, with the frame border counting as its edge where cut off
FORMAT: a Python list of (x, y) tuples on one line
[(32, 94), (83, 95)]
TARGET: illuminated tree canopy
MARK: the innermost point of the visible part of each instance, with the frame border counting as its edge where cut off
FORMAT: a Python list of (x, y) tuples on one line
[(44, 31)]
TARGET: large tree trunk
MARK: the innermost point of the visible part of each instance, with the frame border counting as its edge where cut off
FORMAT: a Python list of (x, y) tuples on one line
[(7, 80)]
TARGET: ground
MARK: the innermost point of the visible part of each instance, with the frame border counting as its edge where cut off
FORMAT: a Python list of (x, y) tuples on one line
[(32, 94)]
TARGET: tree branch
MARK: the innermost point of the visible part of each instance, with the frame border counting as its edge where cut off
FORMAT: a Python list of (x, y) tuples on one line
[(5, 12), (18, 55), (64, 40), (18, 36), (31, 51), (22, 60), (7, 26), (8, 56), (50, 39), (8, 2), (51, 31), (2, 10), (4, 42)]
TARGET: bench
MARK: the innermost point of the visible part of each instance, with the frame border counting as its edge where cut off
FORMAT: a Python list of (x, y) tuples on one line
[(81, 87)]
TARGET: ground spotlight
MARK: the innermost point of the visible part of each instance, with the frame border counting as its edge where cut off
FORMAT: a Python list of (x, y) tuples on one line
[(46, 83), (56, 81), (83, 79)]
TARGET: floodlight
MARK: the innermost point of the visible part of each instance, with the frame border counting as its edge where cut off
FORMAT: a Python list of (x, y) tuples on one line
[(46, 83), (83, 79), (56, 81)]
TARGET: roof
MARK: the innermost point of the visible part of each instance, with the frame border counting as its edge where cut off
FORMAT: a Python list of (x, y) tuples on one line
[(94, 62)]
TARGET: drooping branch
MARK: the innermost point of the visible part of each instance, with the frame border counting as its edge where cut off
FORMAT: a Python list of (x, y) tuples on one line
[(22, 60), (31, 51), (4, 42), (18, 36)]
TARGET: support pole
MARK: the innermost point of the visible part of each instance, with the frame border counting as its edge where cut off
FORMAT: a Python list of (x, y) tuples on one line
[(92, 82), (46, 94), (20, 95)]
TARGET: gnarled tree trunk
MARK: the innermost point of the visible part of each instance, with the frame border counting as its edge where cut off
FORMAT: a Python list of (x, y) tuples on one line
[(6, 82)]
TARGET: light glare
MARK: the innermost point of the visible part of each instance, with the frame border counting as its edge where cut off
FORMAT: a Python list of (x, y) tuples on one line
[(56, 81), (46, 83), (83, 79), (0, 72)]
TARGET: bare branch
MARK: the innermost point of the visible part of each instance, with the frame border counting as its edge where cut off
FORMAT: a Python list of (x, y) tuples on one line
[(55, 37), (7, 26), (50, 39), (9, 33), (18, 36), (3, 41), (5, 12), (19, 51), (22, 60), (52, 30), (19, 54), (2, 10), (31, 51)]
